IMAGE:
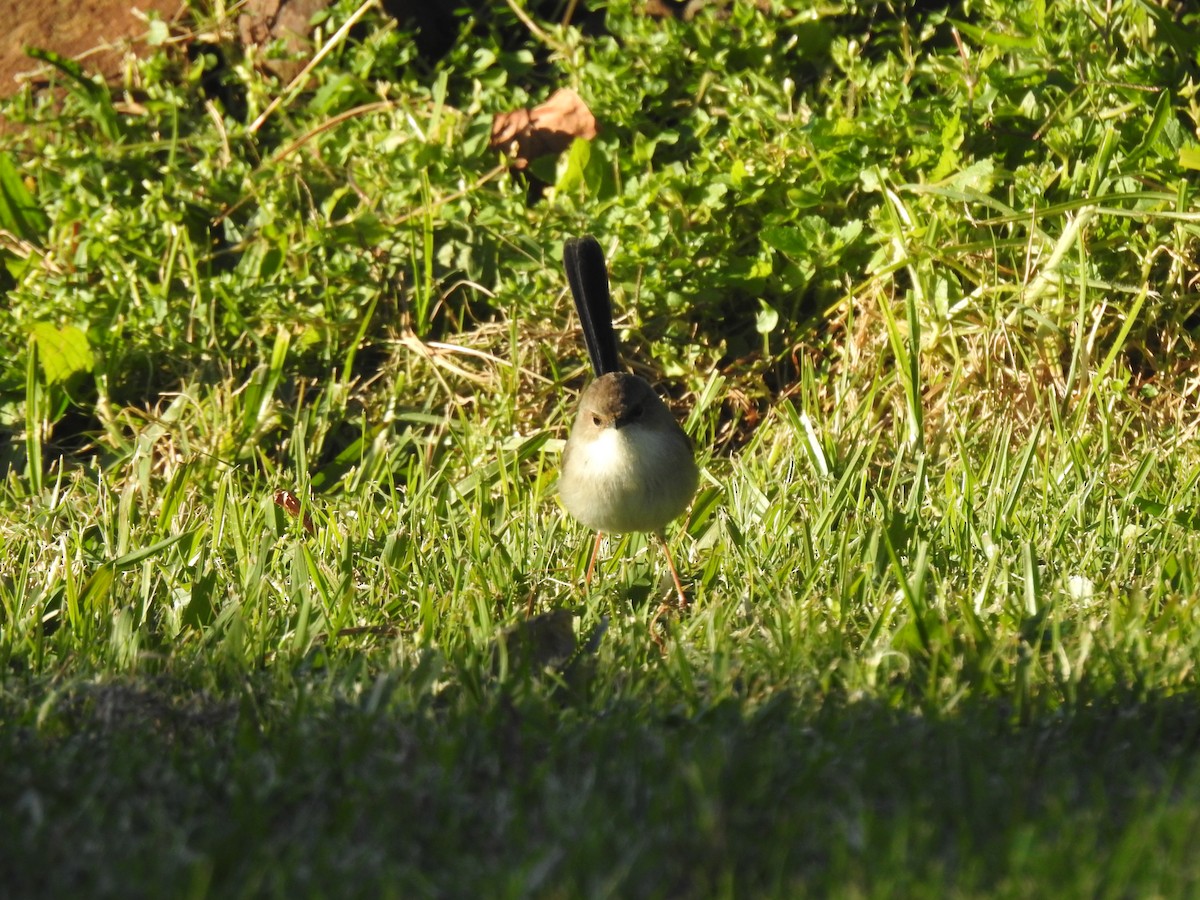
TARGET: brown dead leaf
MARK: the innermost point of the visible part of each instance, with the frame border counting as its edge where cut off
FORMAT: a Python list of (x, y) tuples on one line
[(526, 134), (290, 504)]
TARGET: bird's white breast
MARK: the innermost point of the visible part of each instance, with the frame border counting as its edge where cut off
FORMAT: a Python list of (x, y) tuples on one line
[(629, 479)]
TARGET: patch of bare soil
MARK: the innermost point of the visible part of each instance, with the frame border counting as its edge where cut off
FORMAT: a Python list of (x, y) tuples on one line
[(97, 33)]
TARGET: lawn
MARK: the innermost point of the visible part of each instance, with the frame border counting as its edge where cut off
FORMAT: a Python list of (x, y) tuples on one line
[(288, 606)]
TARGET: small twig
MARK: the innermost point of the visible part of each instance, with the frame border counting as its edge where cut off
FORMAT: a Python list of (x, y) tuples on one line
[(327, 124), (968, 77), (536, 30), (219, 124), (438, 357), (19, 246)]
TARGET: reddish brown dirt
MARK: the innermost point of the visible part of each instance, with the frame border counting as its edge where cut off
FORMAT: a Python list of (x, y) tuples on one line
[(97, 33)]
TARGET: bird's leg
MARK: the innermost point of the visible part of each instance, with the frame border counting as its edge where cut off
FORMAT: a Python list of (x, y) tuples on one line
[(587, 579), (683, 603)]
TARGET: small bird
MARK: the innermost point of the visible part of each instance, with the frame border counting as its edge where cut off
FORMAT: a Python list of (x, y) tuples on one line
[(627, 465)]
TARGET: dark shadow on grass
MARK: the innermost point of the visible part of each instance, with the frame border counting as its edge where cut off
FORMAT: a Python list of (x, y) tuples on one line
[(150, 789)]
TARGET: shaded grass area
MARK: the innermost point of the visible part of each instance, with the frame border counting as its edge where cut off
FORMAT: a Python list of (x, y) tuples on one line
[(284, 789)]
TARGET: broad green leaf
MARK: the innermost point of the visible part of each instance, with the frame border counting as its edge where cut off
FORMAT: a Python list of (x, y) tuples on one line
[(976, 177), (1162, 112), (63, 353), (19, 212), (790, 240), (571, 170), (766, 319), (134, 557), (97, 587), (990, 38), (952, 138), (158, 33)]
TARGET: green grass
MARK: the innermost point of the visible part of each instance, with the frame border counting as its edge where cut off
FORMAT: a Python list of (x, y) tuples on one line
[(922, 284)]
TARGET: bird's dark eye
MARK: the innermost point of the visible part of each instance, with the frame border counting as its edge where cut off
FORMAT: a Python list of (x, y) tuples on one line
[(596, 421), (635, 412)]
